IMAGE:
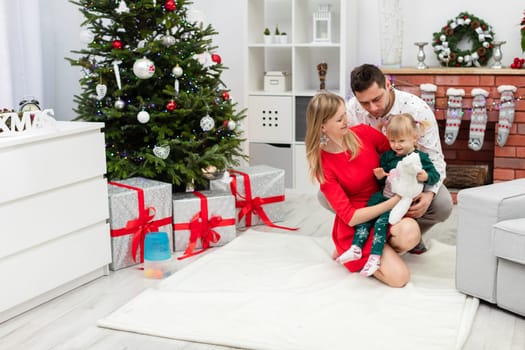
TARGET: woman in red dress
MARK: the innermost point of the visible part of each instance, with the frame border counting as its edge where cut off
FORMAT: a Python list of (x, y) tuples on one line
[(342, 160)]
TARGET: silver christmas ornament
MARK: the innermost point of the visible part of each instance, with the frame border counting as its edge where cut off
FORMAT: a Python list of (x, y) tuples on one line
[(231, 124), (119, 104), (162, 151), (207, 123), (144, 68), (143, 117)]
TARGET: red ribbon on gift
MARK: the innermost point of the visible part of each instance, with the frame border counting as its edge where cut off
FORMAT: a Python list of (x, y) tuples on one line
[(202, 228), (140, 226), (250, 205)]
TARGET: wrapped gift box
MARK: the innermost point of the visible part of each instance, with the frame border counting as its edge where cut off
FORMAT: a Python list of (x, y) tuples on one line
[(137, 206), (206, 218), (263, 202)]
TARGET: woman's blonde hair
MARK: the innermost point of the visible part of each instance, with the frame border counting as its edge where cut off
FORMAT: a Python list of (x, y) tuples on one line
[(402, 125), (320, 109)]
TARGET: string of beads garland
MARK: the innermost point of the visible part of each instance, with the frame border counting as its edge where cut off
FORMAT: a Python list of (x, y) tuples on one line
[(463, 29)]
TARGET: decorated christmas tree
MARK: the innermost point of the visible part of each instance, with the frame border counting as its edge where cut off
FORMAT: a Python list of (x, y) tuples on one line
[(151, 73)]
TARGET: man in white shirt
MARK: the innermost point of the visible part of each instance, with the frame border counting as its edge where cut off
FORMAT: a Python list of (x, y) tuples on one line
[(374, 102)]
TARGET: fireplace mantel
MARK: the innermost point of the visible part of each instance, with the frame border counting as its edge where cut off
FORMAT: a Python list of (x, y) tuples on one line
[(454, 71)]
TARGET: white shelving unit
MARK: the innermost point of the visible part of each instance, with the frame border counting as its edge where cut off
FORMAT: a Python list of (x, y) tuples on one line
[(276, 123)]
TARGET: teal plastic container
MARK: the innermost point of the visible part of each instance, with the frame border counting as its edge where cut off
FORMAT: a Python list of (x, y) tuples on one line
[(157, 255)]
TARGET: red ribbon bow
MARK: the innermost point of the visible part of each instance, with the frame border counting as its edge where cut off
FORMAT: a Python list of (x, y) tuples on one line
[(141, 225), (202, 228), (250, 205)]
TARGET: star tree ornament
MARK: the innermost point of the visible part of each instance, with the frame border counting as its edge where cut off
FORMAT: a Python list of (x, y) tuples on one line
[(122, 7), (144, 68)]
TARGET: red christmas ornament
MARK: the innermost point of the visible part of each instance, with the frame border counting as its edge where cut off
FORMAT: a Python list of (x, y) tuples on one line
[(170, 5), (117, 44), (216, 58), (226, 95), (170, 106)]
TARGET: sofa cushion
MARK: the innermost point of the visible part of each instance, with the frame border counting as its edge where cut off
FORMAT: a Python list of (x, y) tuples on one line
[(479, 208), (509, 240)]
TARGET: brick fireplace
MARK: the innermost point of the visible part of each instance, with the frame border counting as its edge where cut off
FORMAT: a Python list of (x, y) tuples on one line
[(504, 163)]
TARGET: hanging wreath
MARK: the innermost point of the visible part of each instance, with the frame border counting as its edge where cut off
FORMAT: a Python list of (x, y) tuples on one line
[(464, 28)]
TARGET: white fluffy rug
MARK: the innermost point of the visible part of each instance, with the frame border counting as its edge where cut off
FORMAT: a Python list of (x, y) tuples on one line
[(283, 291)]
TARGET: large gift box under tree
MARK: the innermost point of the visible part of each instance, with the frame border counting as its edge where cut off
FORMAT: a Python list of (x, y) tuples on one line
[(259, 194), (137, 206), (203, 219)]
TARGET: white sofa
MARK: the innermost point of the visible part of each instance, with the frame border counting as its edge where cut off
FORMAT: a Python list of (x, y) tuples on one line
[(490, 262)]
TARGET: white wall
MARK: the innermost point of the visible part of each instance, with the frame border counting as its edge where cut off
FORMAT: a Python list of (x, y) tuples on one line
[(421, 20)]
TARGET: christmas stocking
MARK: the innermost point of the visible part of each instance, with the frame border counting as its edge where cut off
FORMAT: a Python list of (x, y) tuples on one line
[(478, 119), (454, 114), (506, 112), (428, 94)]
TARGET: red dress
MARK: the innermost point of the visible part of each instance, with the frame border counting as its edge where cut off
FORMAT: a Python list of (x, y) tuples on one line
[(349, 184)]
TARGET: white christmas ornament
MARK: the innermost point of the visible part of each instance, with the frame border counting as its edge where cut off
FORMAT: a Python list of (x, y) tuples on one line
[(207, 123), (161, 151), (144, 68), (143, 117), (196, 16), (122, 8), (231, 124), (101, 90), (168, 40), (86, 36), (177, 71), (204, 59)]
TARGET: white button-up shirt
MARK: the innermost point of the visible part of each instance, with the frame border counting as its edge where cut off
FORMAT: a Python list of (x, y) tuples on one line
[(428, 142)]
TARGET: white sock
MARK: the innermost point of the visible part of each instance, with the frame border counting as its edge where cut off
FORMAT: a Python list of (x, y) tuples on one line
[(354, 253), (454, 114), (506, 112), (371, 265), (478, 119)]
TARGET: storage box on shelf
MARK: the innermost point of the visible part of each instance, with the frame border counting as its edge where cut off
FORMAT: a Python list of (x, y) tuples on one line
[(276, 122)]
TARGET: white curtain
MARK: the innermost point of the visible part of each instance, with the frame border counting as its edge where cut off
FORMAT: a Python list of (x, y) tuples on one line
[(21, 68)]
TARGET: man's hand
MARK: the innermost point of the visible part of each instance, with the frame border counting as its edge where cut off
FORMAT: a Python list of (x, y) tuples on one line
[(420, 205)]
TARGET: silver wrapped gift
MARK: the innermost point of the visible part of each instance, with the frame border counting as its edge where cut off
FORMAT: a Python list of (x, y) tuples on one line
[(267, 193), (125, 222), (204, 211)]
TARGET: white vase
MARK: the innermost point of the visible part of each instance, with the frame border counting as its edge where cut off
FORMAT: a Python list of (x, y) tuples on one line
[(268, 39), (391, 33), (283, 39)]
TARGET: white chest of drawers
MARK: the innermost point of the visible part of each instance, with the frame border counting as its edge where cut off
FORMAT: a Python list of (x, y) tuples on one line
[(54, 234)]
